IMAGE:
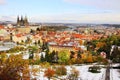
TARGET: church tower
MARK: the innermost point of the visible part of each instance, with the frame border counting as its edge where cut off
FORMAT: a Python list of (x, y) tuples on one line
[(18, 21), (23, 22), (26, 21)]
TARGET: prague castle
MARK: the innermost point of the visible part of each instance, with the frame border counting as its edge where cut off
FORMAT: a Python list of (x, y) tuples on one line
[(22, 25), (22, 21)]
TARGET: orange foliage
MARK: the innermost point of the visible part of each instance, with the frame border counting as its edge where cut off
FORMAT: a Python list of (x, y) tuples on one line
[(100, 44), (89, 59), (49, 73), (61, 70), (12, 67), (81, 42), (79, 61)]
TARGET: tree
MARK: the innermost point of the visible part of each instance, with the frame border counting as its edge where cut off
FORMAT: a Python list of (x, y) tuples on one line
[(81, 42), (61, 70), (48, 57), (28, 41), (42, 58), (115, 56), (100, 44), (32, 31), (63, 56), (89, 58), (12, 67), (72, 53), (79, 54), (54, 56), (49, 73), (38, 29), (45, 47), (74, 74), (31, 55), (39, 43), (91, 45)]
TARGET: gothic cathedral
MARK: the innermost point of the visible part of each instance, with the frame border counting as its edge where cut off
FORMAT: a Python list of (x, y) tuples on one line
[(22, 22)]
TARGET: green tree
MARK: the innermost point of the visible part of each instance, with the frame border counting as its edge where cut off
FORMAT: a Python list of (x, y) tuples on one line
[(72, 53), (79, 54), (63, 56), (47, 57), (32, 50), (115, 56), (54, 56), (39, 43), (42, 58)]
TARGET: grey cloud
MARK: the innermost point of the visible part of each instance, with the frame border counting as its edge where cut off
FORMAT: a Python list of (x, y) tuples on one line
[(102, 4)]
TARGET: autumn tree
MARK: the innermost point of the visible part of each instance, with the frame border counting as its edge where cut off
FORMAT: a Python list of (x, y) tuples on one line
[(28, 40), (100, 44), (49, 73), (74, 74), (12, 67), (61, 70), (89, 58)]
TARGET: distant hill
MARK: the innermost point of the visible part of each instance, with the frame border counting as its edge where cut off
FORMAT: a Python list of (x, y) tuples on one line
[(6, 22), (112, 25)]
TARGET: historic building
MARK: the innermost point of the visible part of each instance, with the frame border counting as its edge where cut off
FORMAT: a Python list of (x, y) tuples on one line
[(22, 25), (22, 21)]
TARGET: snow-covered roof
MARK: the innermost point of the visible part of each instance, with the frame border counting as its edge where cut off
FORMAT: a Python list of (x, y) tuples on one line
[(3, 48)]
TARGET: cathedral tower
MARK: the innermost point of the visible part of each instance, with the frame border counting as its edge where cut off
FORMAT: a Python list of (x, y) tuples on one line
[(23, 22)]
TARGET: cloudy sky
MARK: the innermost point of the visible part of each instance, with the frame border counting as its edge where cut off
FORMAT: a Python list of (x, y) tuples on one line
[(67, 11)]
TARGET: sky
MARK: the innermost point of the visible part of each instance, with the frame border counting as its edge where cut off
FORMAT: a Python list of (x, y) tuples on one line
[(62, 11)]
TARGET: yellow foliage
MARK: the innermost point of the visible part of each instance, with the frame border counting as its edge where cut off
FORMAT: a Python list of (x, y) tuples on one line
[(87, 57), (81, 42), (12, 67), (100, 44)]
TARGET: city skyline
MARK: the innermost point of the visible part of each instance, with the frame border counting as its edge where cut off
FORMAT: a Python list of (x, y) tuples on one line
[(63, 11)]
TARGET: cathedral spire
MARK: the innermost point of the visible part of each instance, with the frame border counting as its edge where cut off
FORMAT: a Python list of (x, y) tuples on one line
[(22, 21), (17, 18), (18, 21), (26, 21), (21, 18)]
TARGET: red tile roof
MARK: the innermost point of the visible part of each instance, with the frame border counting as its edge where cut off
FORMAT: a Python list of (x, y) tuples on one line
[(1, 27), (19, 35)]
